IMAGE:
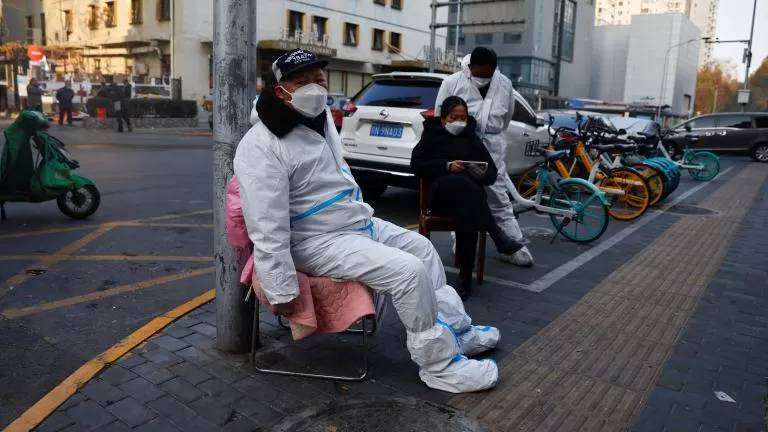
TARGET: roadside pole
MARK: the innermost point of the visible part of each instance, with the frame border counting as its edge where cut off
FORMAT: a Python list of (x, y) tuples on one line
[(433, 36), (234, 83), (748, 60)]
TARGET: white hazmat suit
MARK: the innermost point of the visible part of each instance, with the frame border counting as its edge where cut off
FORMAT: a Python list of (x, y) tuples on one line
[(493, 114), (304, 211)]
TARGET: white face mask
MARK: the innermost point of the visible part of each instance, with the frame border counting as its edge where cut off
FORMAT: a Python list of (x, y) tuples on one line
[(480, 82), (309, 100), (455, 128)]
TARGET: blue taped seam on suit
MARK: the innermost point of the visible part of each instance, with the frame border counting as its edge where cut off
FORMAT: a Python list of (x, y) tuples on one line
[(456, 358), (322, 206), (442, 323)]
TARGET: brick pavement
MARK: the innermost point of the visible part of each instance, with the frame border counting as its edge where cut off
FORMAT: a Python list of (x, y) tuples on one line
[(553, 371), (594, 366)]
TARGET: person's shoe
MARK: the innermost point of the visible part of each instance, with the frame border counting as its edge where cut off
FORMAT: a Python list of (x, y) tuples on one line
[(464, 285), (521, 258), (462, 375), (477, 339)]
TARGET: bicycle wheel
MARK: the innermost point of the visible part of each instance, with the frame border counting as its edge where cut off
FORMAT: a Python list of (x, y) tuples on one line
[(655, 179), (636, 196), (709, 161), (528, 183), (591, 218)]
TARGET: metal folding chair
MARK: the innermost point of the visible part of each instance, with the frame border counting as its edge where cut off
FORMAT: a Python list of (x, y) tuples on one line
[(379, 303)]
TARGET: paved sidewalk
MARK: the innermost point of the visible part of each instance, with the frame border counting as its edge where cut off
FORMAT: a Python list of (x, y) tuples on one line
[(641, 346)]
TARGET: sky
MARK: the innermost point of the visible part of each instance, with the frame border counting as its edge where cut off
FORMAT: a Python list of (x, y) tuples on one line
[(733, 22)]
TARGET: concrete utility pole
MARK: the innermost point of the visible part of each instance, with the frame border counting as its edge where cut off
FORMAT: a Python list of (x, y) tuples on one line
[(749, 57), (559, 59), (234, 83), (432, 36)]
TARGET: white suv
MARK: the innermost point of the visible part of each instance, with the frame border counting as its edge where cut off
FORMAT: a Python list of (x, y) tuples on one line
[(383, 123)]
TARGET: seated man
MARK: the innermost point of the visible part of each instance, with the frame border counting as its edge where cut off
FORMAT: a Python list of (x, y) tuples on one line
[(305, 212)]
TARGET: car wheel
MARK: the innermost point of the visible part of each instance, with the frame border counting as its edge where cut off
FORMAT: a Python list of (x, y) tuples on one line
[(760, 152)]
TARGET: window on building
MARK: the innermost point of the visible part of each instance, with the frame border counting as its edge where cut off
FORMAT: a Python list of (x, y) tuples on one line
[(484, 38), (568, 30), (395, 42), (377, 43), (397, 4), (42, 29), (513, 38), (351, 34), (93, 17), (380, 2), (320, 27), (30, 19), (137, 12), (97, 64), (295, 22), (163, 10), (67, 23), (110, 19), (526, 72)]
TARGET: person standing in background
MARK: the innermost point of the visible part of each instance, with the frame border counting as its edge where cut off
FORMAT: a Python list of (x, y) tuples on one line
[(34, 96), (64, 97)]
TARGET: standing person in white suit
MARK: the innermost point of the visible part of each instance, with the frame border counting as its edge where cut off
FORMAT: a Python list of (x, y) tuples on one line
[(490, 98), (304, 211)]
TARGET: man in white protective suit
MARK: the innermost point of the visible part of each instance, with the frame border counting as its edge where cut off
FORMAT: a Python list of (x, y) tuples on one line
[(490, 98), (304, 211)]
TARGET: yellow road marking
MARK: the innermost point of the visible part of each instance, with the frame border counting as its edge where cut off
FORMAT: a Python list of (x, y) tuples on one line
[(114, 224), (48, 404), (49, 260), (15, 313), (161, 258)]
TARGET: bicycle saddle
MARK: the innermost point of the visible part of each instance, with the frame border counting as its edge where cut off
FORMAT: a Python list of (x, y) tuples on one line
[(603, 147), (552, 155), (626, 147)]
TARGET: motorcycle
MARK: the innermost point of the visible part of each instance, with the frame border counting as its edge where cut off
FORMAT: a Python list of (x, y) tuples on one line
[(36, 167)]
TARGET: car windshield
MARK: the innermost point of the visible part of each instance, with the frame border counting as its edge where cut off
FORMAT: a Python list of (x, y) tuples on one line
[(416, 94)]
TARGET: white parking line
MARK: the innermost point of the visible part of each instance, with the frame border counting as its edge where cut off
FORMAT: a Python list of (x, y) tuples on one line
[(494, 279), (565, 269)]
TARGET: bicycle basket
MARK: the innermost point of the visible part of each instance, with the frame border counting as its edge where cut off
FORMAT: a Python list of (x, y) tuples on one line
[(533, 149)]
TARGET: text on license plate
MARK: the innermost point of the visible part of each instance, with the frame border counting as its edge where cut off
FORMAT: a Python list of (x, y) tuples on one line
[(386, 130)]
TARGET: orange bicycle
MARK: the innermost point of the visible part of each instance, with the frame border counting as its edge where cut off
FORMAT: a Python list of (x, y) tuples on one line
[(628, 192)]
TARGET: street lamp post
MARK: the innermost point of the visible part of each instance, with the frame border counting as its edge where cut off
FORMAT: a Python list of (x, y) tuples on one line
[(664, 73), (749, 57)]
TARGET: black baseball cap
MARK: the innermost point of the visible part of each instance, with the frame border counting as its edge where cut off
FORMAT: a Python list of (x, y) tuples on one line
[(295, 61)]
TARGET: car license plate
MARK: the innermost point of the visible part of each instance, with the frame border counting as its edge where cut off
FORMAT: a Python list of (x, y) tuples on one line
[(386, 130)]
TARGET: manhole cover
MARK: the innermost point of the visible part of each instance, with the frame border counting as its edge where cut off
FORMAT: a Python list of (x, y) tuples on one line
[(686, 209), (537, 232), (379, 415)]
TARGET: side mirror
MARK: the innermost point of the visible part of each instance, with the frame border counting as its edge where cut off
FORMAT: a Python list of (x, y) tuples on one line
[(622, 132), (687, 128), (540, 122)]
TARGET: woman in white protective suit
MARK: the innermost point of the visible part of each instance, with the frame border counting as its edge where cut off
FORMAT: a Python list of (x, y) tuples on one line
[(305, 212), (490, 98)]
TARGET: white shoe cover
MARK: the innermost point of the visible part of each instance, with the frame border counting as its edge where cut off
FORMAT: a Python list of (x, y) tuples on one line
[(521, 258), (463, 375), (478, 339), (442, 367)]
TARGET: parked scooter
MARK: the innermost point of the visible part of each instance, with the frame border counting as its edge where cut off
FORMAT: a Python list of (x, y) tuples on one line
[(44, 176)]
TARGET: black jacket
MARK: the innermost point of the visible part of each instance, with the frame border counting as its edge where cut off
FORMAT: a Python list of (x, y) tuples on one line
[(64, 96), (437, 147)]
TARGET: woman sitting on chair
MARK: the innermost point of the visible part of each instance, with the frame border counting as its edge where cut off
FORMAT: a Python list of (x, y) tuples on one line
[(452, 159)]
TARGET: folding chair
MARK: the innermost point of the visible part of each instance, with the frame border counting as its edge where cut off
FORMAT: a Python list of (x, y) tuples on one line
[(379, 303)]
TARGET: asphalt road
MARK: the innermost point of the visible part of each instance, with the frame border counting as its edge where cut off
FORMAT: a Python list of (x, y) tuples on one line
[(71, 289)]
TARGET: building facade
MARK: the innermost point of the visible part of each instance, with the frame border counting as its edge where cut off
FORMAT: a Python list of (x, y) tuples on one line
[(703, 13), (525, 35), (154, 41), (629, 67)]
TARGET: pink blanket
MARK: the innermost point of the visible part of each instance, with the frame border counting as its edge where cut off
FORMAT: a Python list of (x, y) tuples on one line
[(323, 305)]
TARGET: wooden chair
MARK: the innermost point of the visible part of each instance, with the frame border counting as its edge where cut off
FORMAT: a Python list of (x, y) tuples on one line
[(429, 222)]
